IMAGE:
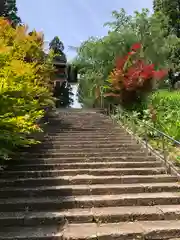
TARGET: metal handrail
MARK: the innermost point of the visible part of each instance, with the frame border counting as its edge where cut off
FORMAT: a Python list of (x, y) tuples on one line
[(162, 134)]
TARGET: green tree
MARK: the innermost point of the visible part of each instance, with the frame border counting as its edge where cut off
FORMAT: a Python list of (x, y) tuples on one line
[(56, 45), (25, 87), (9, 10), (171, 9), (97, 56)]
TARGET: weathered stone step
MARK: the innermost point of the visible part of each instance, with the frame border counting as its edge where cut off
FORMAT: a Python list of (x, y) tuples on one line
[(87, 201), (66, 154), (95, 172), (34, 160), (31, 219), (96, 189), (86, 141), (89, 149), (80, 129), (86, 179), (148, 230), (92, 141), (104, 139), (84, 165), (79, 146), (91, 215), (31, 233), (104, 133), (90, 136), (86, 137), (133, 230), (72, 132)]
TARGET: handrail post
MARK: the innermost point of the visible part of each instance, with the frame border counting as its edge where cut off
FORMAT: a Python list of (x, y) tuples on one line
[(133, 127), (146, 141), (113, 115), (164, 150)]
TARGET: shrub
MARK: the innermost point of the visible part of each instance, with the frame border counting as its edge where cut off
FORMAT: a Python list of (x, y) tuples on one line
[(25, 87), (133, 78), (167, 106)]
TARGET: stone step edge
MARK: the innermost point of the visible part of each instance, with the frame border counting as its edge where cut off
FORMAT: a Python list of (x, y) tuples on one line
[(92, 169), (93, 186), (91, 231), (92, 198), (162, 211), (125, 230), (126, 171), (74, 164), (91, 158), (90, 177)]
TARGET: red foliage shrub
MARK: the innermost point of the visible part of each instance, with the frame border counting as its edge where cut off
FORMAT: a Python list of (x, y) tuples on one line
[(132, 77)]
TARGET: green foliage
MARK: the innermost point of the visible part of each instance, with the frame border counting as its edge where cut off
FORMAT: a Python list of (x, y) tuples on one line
[(171, 9), (25, 87), (162, 113), (56, 45), (167, 106), (96, 56), (9, 10)]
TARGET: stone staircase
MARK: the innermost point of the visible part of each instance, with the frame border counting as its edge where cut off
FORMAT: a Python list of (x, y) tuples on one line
[(88, 180)]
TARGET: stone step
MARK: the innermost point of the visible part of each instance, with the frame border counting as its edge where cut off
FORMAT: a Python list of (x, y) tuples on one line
[(82, 165), (79, 139), (81, 146), (25, 160), (66, 154), (95, 142), (101, 127), (32, 233), (86, 179), (75, 150), (31, 219), (148, 230), (92, 141), (91, 215), (82, 176), (95, 172), (88, 125), (92, 137), (96, 189), (94, 134), (87, 201), (155, 230)]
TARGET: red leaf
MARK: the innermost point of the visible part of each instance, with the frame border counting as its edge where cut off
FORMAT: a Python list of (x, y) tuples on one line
[(120, 62), (136, 46)]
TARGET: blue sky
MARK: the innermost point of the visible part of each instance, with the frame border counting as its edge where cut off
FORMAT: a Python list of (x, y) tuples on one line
[(73, 20)]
